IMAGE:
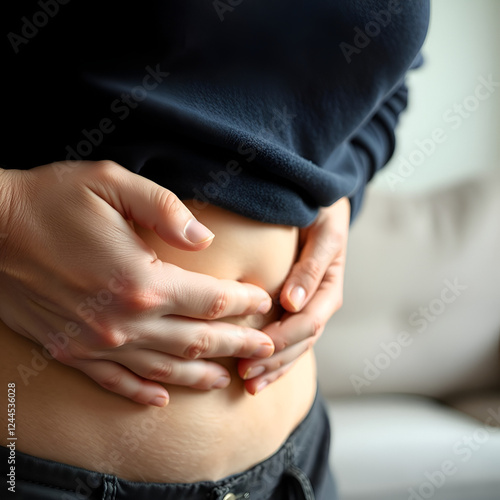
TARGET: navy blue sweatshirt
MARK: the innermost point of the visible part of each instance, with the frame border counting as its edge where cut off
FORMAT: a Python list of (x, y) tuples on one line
[(268, 108)]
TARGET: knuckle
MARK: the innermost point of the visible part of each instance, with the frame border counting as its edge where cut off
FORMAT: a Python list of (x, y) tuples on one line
[(312, 268), (198, 348), (105, 166), (105, 169), (139, 300), (218, 306), (112, 338), (161, 371), (167, 202), (78, 351), (61, 355), (205, 381), (328, 246), (278, 364), (112, 382), (281, 344), (316, 327)]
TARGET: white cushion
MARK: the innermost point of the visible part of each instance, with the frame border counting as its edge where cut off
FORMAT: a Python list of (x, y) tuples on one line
[(406, 253), (406, 447)]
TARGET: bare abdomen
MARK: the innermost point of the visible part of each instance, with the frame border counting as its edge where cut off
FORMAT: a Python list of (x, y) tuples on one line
[(64, 416)]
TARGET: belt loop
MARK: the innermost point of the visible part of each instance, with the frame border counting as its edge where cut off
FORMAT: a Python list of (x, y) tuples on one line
[(303, 481), (219, 492), (109, 487), (289, 454)]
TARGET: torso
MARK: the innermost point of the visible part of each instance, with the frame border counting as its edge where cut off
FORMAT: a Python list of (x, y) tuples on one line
[(64, 416)]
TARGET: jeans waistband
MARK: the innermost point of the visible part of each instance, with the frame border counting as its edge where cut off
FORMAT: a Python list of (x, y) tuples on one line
[(303, 455)]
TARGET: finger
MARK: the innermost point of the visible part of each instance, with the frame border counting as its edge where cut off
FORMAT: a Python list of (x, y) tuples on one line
[(192, 339), (159, 367), (320, 249), (325, 242), (292, 329), (118, 379), (251, 369), (205, 297), (150, 205), (311, 321), (256, 385), (259, 376)]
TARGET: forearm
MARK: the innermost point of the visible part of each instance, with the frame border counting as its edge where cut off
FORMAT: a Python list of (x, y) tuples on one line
[(4, 199), (5, 206)]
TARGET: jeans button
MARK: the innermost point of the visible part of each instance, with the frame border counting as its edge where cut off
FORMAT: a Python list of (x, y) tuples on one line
[(232, 496)]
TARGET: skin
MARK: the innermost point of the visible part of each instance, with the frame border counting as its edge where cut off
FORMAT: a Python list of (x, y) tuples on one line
[(201, 435), (319, 271), (41, 211)]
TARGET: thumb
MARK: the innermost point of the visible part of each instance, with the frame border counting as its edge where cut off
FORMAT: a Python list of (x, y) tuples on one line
[(151, 206), (323, 251)]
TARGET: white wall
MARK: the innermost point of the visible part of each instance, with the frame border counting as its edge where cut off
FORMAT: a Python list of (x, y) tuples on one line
[(462, 46), (406, 246), (407, 242)]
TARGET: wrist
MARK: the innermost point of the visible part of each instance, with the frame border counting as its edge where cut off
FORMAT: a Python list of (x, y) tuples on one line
[(5, 196), (338, 215), (8, 196), (344, 205)]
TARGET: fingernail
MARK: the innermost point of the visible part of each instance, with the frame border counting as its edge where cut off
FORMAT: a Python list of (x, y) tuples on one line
[(253, 371), (263, 351), (160, 401), (297, 297), (264, 306), (261, 386), (221, 382), (196, 232)]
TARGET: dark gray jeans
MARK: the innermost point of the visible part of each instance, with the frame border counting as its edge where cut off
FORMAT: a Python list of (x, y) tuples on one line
[(297, 471)]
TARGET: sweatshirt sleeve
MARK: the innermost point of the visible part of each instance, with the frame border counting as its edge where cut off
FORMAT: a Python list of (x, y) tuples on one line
[(373, 144)]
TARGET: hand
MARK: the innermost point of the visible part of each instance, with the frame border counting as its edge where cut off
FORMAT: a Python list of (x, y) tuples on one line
[(311, 294), (76, 278)]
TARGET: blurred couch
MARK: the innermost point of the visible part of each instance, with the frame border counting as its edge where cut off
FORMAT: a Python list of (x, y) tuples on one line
[(410, 365)]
